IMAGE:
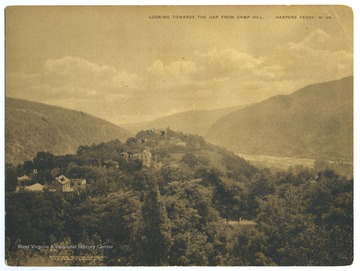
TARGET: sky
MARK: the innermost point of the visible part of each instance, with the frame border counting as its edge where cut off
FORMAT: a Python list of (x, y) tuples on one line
[(124, 65)]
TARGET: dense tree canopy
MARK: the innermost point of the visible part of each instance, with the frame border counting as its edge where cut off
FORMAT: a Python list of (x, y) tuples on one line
[(197, 204)]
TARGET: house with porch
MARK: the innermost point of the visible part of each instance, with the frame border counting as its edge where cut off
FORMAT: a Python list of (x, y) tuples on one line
[(62, 184)]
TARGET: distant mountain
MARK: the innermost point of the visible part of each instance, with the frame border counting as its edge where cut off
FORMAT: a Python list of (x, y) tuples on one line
[(136, 126), (32, 127), (195, 122), (315, 121)]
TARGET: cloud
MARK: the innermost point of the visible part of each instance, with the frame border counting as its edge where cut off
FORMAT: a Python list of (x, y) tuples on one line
[(312, 59), (222, 64), (216, 65), (179, 70), (72, 77), (76, 83), (318, 39), (215, 78), (72, 74)]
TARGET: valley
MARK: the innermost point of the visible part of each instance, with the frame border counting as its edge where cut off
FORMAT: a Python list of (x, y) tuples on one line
[(278, 162)]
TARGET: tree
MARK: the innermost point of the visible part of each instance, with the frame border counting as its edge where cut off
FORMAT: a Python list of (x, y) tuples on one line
[(33, 217), (154, 234), (194, 224), (247, 247), (189, 159), (113, 219), (309, 222), (28, 166), (44, 160), (284, 222), (10, 178), (95, 256), (330, 200), (261, 185)]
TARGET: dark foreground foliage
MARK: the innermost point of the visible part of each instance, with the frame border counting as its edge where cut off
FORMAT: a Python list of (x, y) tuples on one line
[(183, 211)]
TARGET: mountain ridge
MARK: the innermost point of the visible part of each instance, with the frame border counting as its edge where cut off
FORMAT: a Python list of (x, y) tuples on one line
[(193, 121), (316, 120), (32, 127)]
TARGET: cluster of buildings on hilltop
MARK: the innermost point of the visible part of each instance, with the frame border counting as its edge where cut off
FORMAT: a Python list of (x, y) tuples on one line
[(60, 184), (144, 156), (64, 184)]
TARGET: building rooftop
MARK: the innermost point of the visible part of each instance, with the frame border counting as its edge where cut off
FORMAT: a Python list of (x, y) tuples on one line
[(62, 179), (23, 178)]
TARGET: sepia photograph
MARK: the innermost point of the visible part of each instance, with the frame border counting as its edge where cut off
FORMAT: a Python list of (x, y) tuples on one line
[(179, 135)]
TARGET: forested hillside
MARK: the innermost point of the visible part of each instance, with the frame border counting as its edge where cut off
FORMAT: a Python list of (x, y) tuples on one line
[(316, 121), (185, 203), (32, 127), (196, 122)]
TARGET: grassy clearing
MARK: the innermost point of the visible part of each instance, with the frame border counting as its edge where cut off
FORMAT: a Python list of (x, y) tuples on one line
[(243, 222)]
